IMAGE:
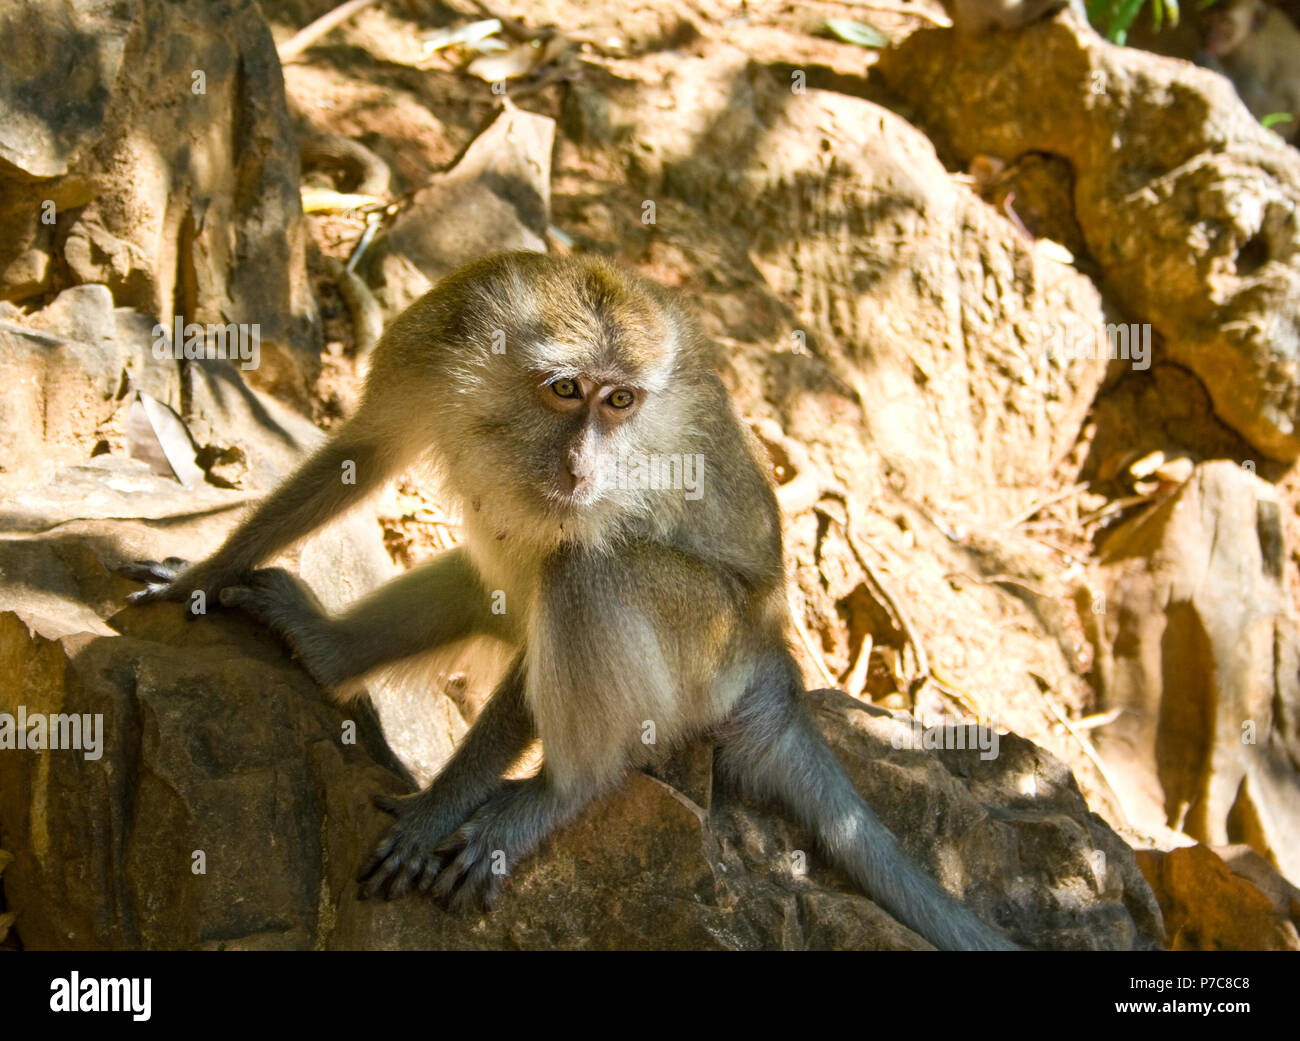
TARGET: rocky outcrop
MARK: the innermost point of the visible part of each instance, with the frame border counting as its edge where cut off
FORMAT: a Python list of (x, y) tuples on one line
[(229, 806), (146, 146), (1198, 650), (1227, 899), (1187, 205)]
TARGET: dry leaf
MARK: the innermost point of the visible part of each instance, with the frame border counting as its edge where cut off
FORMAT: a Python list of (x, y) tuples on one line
[(158, 436)]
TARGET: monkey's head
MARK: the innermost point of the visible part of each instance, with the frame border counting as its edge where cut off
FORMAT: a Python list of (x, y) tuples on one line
[(1230, 23), (579, 375)]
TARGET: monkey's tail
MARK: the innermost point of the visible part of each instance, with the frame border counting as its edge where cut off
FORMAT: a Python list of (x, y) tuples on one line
[(773, 747)]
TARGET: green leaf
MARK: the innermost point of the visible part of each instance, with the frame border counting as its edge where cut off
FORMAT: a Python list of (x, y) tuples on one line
[(857, 32), (1099, 11), (1123, 17), (1276, 117)]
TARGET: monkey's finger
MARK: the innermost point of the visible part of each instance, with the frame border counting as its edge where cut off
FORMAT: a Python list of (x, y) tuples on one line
[(444, 888), (377, 883), (432, 866), (479, 889), (148, 571), (149, 595), (492, 891)]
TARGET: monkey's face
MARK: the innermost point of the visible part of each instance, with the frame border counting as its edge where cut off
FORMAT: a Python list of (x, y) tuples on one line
[(594, 372), (590, 417)]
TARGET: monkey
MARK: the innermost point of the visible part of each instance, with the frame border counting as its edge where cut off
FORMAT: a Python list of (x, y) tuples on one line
[(1257, 47), (528, 380)]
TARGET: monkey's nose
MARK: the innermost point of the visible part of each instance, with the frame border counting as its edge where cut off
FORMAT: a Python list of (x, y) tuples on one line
[(572, 479)]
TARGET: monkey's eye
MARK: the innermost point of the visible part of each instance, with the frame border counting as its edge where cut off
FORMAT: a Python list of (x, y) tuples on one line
[(566, 388), (621, 399)]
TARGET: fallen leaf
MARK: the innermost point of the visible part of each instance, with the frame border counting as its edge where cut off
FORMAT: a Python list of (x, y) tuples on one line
[(857, 32), (158, 436), (472, 33)]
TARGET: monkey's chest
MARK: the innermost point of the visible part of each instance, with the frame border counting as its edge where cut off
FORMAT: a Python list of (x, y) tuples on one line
[(507, 565)]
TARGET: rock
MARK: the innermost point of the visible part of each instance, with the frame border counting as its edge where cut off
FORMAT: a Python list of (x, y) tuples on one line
[(71, 56), (1209, 906), (1192, 221), (158, 142), (496, 197), (215, 743), (1196, 644), (69, 368), (74, 367)]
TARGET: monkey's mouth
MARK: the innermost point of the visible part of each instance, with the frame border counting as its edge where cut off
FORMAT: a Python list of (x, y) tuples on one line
[(571, 502)]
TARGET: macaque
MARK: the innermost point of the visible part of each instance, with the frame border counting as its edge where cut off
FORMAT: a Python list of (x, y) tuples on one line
[(534, 383)]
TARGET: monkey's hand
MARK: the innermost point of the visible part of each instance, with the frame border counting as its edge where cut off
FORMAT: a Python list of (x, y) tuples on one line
[(175, 579)]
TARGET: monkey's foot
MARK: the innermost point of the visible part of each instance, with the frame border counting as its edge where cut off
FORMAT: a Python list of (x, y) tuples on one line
[(488, 846), (282, 603), (408, 857)]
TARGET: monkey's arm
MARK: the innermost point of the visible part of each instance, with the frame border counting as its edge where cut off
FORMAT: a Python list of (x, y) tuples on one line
[(354, 463), (409, 856), (772, 747), (437, 603)]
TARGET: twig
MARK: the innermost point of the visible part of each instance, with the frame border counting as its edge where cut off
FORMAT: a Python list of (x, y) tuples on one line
[(305, 37), (925, 16), (1098, 719), (813, 652), (1064, 493), (895, 608), (1091, 753), (856, 681), (547, 79), (1000, 580)]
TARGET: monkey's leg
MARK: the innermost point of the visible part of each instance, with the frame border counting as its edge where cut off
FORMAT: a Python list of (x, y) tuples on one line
[(772, 747), (409, 854), (434, 604)]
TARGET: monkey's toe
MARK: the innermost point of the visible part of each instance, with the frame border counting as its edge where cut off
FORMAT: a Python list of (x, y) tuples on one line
[(471, 880), (407, 858)]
